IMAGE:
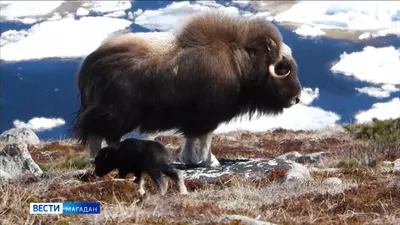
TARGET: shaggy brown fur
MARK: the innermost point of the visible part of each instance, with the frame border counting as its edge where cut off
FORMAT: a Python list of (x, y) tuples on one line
[(214, 68)]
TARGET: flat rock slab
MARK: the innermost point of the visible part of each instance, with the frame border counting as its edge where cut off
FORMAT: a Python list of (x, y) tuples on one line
[(246, 167)]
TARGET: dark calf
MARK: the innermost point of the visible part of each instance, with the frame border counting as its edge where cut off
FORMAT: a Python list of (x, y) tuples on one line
[(139, 156)]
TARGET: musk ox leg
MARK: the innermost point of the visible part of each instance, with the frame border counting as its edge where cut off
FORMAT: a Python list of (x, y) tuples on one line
[(188, 156), (94, 146), (159, 181), (207, 158), (113, 141), (140, 181), (177, 177)]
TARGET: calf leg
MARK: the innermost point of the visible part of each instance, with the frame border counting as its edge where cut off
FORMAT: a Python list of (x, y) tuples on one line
[(177, 177), (158, 180), (140, 181)]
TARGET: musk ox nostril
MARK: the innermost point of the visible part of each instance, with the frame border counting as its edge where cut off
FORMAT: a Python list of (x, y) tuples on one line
[(295, 100)]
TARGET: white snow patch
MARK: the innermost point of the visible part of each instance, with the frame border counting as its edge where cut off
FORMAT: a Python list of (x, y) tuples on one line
[(170, 17), (116, 14), (241, 2), (298, 117), (40, 123), (12, 36), (378, 17), (375, 65), (381, 111), (310, 31), (19, 9), (308, 95), (82, 12), (379, 92), (108, 6), (65, 38)]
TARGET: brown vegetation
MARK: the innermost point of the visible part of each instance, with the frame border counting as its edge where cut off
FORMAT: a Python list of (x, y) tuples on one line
[(364, 197)]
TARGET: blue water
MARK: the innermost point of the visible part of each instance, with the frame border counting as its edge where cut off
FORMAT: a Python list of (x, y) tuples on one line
[(46, 88)]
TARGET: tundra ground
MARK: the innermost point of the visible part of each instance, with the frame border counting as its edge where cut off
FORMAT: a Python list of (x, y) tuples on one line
[(366, 195)]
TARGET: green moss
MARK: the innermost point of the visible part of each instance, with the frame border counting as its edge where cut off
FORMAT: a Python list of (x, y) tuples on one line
[(46, 167), (75, 162), (62, 222), (29, 198), (350, 163), (378, 130)]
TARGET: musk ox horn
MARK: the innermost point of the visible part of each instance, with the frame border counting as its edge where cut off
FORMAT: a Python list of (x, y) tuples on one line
[(271, 69), (285, 51)]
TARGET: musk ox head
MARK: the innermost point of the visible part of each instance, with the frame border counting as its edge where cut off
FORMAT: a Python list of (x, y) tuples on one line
[(105, 161), (283, 76), (254, 49), (272, 63)]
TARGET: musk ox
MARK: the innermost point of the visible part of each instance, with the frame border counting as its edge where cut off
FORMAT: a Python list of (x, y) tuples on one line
[(214, 68), (138, 157)]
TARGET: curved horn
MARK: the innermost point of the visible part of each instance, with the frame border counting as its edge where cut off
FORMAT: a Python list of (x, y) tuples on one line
[(271, 69)]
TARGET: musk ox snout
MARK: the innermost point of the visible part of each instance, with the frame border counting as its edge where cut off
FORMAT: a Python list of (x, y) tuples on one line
[(285, 73)]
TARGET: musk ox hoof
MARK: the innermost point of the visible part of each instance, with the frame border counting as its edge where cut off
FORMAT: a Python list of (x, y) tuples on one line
[(213, 162), (142, 191), (185, 192), (190, 159)]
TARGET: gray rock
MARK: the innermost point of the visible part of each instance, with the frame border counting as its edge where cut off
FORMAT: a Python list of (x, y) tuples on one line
[(246, 220), (387, 164), (310, 158), (396, 165), (332, 181), (249, 168), (19, 135), (321, 170), (290, 156), (296, 171), (394, 184), (15, 160)]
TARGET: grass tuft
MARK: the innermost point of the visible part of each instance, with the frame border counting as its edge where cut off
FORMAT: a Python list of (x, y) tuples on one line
[(378, 130)]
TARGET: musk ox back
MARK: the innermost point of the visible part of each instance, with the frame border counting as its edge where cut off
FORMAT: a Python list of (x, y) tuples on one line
[(215, 67)]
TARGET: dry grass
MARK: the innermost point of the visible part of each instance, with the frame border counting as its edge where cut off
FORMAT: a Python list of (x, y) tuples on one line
[(363, 198)]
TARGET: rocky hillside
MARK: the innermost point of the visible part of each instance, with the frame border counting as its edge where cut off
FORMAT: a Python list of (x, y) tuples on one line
[(335, 176)]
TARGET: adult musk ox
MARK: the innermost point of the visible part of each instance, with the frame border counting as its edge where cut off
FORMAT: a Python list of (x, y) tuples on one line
[(214, 68)]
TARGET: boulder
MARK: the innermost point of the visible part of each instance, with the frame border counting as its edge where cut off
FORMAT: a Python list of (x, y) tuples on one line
[(19, 135), (15, 161), (310, 158), (396, 165)]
